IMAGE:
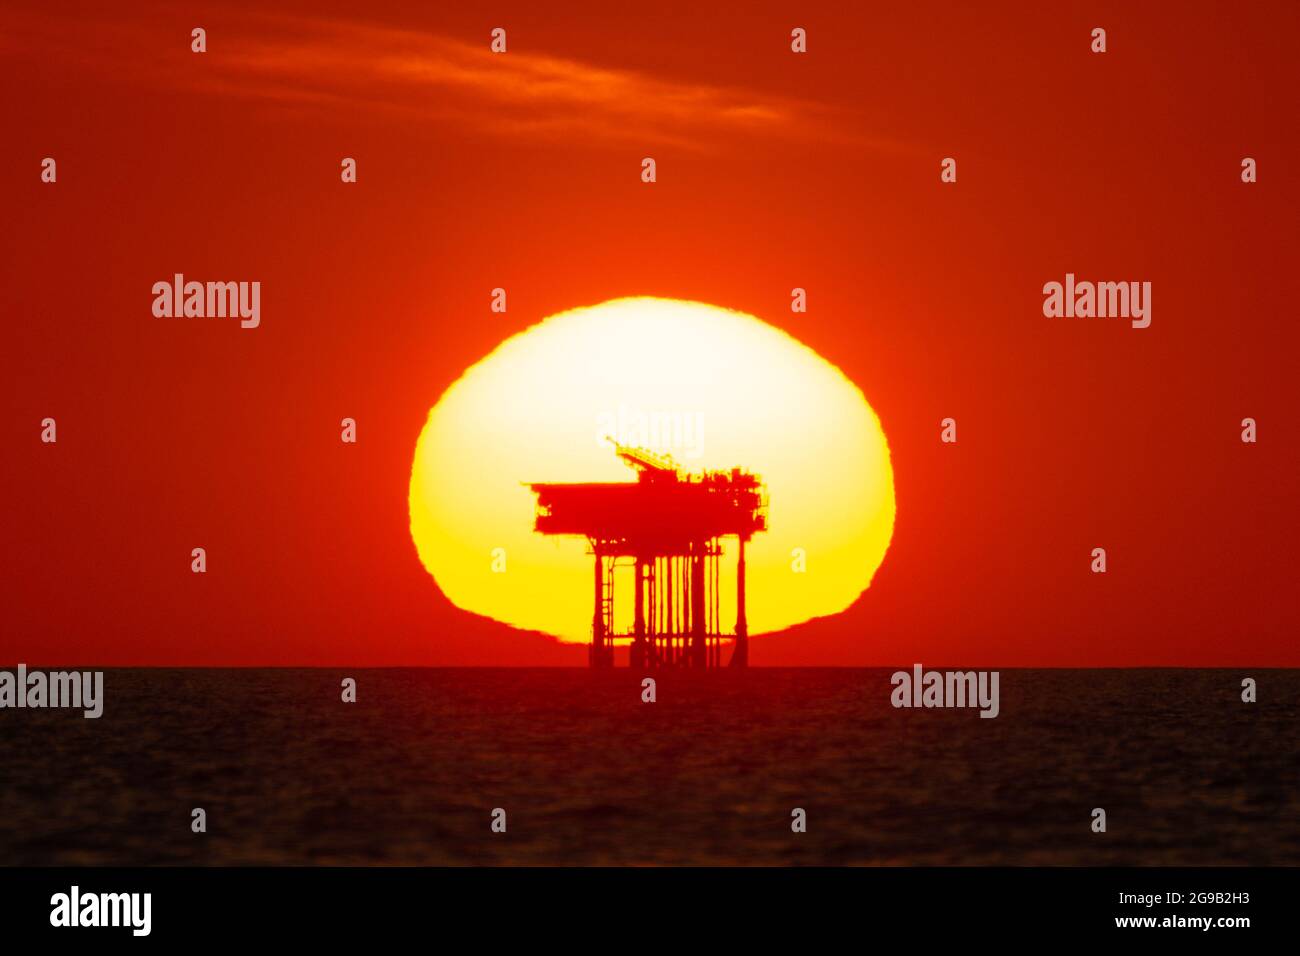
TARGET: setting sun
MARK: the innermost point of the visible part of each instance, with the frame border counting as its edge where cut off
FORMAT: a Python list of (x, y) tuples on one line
[(713, 388)]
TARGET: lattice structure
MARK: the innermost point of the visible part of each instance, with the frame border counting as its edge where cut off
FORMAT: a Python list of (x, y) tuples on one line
[(667, 528)]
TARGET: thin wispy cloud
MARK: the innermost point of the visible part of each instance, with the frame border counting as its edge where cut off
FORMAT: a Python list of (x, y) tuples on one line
[(355, 69)]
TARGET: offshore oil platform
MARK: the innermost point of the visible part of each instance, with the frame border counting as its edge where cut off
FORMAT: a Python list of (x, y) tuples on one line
[(667, 528)]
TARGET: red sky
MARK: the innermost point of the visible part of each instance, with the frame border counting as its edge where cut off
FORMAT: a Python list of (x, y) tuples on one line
[(774, 170)]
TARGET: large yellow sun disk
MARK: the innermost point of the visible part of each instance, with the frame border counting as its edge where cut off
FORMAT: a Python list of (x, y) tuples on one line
[(715, 389)]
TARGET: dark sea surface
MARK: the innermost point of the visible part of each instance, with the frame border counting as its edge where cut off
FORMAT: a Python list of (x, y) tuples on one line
[(709, 774)]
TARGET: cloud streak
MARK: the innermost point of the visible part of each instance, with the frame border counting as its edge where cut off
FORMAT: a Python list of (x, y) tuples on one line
[(359, 69)]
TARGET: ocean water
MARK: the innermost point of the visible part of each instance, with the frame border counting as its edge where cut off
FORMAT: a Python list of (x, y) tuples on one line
[(709, 774)]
